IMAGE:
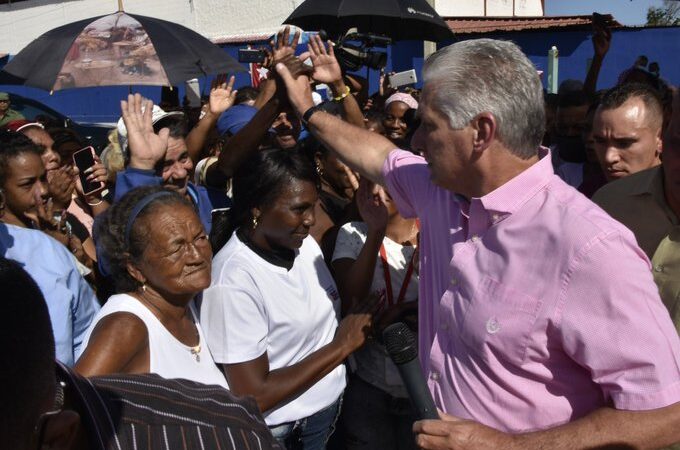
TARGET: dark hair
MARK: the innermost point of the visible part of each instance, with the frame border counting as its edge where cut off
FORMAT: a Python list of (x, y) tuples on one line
[(13, 144), (618, 95), (572, 99), (63, 136), (28, 357), (246, 93), (110, 233), (260, 180), (177, 124)]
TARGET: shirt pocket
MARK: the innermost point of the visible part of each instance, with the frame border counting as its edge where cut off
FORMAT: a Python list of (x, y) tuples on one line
[(499, 320)]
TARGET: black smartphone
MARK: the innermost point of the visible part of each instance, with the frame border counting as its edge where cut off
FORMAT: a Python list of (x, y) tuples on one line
[(251, 55), (84, 159)]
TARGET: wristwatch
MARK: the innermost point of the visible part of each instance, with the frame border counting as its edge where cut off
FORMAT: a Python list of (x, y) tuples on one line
[(309, 113)]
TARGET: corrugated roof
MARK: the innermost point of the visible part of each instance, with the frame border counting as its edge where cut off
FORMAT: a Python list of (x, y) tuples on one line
[(476, 25)]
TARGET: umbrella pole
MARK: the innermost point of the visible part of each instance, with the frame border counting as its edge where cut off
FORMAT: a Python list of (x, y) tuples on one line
[(120, 5)]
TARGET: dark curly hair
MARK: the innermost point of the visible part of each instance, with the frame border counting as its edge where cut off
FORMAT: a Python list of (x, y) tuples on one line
[(109, 233), (13, 144)]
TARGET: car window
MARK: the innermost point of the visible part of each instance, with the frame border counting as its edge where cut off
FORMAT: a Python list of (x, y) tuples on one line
[(33, 111)]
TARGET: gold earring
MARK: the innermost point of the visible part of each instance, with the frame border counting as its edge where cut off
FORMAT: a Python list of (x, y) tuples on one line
[(255, 222)]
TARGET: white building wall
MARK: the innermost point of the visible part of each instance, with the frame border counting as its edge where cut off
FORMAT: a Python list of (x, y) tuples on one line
[(475, 8), (22, 22)]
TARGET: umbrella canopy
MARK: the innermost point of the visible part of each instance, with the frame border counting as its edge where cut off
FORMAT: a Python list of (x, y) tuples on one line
[(118, 49), (398, 19)]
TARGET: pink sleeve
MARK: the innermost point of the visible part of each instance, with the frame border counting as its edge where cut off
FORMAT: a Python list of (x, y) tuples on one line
[(408, 182), (614, 324)]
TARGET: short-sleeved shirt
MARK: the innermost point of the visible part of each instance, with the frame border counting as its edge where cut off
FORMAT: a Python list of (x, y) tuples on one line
[(372, 362), (536, 307), (253, 306), (10, 116), (70, 300), (638, 201)]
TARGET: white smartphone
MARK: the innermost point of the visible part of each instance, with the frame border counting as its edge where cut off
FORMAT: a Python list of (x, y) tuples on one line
[(403, 78)]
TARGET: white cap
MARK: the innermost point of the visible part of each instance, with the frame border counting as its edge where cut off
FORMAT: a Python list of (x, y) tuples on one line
[(156, 115)]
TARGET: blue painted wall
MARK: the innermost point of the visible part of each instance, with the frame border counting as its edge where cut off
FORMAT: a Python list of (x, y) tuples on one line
[(659, 44)]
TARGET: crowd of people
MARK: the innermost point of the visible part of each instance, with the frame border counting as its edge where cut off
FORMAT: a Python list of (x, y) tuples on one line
[(228, 283)]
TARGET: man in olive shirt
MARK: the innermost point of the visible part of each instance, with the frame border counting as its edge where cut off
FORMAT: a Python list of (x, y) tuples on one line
[(7, 114), (648, 202)]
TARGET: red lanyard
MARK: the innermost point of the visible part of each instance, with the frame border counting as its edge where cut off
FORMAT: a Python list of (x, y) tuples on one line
[(388, 278)]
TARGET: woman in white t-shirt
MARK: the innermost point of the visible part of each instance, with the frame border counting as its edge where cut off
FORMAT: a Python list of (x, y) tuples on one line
[(378, 257), (159, 256), (270, 314)]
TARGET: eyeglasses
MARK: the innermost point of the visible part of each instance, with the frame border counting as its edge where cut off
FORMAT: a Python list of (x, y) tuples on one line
[(39, 430), (5, 100)]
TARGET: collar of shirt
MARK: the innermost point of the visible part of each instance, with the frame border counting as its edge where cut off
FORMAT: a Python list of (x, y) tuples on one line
[(651, 182), (485, 211)]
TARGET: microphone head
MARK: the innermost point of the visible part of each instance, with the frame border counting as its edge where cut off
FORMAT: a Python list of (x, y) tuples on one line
[(400, 342)]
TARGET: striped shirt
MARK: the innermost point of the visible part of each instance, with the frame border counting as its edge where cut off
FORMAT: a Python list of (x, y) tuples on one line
[(143, 412)]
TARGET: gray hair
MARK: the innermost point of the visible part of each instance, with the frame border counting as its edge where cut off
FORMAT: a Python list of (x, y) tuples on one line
[(487, 75)]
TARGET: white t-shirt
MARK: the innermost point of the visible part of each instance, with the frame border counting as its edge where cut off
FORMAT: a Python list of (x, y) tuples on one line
[(372, 362), (168, 357), (253, 307)]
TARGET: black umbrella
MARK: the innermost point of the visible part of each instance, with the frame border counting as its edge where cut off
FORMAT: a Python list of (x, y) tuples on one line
[(398, 19), (118, 49)]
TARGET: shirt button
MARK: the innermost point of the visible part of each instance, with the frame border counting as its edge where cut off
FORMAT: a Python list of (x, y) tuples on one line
[(495, 217), (475, 238), (434, 376), (454, 281), (444, 326), (658, 268), (493, 326)]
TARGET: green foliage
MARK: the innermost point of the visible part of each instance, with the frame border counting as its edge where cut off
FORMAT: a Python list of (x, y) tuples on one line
[(667, 15)]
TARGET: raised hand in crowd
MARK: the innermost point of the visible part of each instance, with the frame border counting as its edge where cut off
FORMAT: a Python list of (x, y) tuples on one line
[(327, 70), (98, 174), (222, 97), (44, 219), (146, 147), (372, 207), (602, 38), (60, 184)]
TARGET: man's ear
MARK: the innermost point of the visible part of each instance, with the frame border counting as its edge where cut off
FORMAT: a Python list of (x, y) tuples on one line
[(484, 125), (60, 431)]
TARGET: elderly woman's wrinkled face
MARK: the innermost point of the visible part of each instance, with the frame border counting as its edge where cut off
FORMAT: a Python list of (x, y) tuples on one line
[(286, 222), (177, 258)]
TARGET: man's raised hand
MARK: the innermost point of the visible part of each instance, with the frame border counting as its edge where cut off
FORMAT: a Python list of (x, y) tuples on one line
[(146, 147)]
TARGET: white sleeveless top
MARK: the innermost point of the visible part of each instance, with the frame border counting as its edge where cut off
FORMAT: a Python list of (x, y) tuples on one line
[(168, 357)]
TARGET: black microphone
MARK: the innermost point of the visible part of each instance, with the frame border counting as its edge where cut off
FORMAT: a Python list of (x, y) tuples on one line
[(402, 346)]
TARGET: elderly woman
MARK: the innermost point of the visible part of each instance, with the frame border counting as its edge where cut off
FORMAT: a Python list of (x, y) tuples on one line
[(270, 314), (160, 259)]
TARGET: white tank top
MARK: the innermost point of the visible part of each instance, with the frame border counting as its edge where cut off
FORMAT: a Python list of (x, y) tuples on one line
[(168, 357)]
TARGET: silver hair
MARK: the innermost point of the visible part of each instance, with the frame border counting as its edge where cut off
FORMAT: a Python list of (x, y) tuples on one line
[(487, 75)]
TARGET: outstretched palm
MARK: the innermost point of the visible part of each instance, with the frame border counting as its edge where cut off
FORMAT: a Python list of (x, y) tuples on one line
[(222, 95), (146, 147), (326, 67)]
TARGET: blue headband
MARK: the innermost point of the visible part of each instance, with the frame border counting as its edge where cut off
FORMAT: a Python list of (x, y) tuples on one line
[(143, 203)]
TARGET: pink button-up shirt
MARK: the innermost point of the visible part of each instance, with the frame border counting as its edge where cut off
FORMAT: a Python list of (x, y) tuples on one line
[(536, 307)]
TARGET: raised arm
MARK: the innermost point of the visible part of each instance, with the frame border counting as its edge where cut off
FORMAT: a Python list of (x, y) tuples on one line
[(222, 96), (602, 37), (327, 70), (359, 148), (354, 276)]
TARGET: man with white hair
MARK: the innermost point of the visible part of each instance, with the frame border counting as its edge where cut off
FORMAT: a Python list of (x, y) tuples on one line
[(540, 324)]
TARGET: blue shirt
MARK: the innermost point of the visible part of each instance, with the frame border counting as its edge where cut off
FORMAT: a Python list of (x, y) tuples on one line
[(70, 300), (131, 178)]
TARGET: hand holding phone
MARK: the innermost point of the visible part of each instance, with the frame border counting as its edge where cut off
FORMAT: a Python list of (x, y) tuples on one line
[(403, 78), (84, 160)]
